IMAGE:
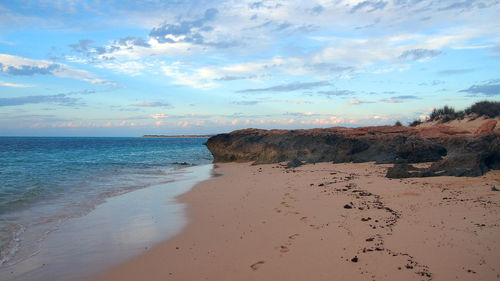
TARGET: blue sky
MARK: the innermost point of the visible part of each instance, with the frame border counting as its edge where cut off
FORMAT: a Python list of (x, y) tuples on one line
[(128, 68)]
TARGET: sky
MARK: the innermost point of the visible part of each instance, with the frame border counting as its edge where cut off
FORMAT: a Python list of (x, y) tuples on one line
[(129, 68)]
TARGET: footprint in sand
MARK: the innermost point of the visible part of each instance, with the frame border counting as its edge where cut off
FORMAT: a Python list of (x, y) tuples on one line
[(277, 210), (284, 249), (285, 204), (256, 265), (293, 236), (304, 219)]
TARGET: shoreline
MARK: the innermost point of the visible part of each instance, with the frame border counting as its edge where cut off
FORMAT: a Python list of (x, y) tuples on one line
[(328, 222), (121, 227)]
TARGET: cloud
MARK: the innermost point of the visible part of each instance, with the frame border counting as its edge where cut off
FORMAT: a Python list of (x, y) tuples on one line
[(93, 54), (133, 41), (185, 31), (232, 78), (159, 116), (419, 54), (431, 83), (209, 76), (60, 99), (322, 67), (82, 46), (288, 87), (317, 10), (152, 104), (336, 93), (289, 101), (28, 70), (20, 66), (15, 85), (458, 5), (407, 97), (325, 121), (485, 89), (374, 5), (391, 100), (455, 71), (356, 101), (81, 92), (197, 79), (396, 99), (199, 36), (169, 39), (369, 25), (250, 102), (302, 114)]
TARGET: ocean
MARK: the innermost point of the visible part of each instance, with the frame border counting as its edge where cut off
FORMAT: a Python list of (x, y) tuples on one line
[(50, 187)]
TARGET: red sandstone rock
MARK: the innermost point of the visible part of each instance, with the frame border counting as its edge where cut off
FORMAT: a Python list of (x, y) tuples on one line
[(487, 127), (466, 154)]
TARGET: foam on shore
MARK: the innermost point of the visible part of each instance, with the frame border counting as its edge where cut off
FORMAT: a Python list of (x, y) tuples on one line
[(122, 227)]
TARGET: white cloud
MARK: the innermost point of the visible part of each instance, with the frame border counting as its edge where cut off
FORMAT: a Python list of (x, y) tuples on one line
[(159, 116), (20, 66), (197, 78), (339, 58), (253, 29), (15, 85)]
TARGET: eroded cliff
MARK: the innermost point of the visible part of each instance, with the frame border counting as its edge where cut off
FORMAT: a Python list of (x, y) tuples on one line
[(453, 151)]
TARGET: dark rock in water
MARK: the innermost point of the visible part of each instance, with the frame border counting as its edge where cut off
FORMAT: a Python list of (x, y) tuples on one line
[(454, 153)]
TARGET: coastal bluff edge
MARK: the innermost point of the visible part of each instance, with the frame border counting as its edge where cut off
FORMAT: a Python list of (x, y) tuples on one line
[(446, 150)]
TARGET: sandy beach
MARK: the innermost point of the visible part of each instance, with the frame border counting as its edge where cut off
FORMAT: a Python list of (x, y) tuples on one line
[(329, 222)]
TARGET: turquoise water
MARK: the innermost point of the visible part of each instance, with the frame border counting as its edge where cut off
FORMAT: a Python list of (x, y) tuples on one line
[(46, 181)]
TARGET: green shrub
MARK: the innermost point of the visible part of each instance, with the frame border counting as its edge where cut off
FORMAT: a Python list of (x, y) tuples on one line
[(446, 114), (415, 123), (398, 124), (485, 108)]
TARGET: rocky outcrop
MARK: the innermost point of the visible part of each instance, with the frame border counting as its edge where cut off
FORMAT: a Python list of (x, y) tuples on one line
[(453, 152), (467, 156), (487, 127)]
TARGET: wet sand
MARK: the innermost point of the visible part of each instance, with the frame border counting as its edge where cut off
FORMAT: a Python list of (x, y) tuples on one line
[(329, 222), (120, 228)]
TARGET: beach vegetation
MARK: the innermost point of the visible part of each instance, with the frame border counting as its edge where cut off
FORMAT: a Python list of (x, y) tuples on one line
[(445, 114), (490, 109), (415, 123)]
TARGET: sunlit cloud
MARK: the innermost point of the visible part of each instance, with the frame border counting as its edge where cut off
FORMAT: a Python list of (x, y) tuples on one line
[(19, 66), (15, 85), (152, 104)]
